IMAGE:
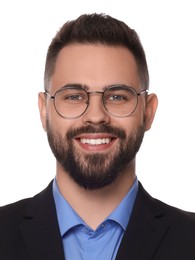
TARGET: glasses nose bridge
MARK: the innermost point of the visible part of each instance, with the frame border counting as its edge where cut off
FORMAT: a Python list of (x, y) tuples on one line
[(95, 92)]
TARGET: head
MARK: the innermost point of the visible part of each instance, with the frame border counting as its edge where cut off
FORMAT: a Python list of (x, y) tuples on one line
[(96, 52)]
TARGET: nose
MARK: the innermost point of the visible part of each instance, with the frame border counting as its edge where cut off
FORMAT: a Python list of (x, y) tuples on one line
[(96, 113)]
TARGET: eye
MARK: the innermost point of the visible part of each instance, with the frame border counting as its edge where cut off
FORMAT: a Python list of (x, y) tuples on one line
[(115, 97), (73, 97)]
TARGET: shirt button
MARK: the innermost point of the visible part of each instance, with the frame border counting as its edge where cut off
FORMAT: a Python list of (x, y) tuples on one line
[(90, 232), (102, 228)]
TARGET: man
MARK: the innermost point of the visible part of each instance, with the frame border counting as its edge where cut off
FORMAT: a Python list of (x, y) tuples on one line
[(95, 110)]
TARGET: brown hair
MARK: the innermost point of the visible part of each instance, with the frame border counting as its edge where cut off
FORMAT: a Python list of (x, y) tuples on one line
[(97, 28)]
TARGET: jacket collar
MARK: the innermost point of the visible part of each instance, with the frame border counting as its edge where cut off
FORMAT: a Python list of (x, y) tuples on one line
[(39, 230), (146, 229)]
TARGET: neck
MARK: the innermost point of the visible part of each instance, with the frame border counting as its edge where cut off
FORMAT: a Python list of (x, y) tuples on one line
[(93, 206)]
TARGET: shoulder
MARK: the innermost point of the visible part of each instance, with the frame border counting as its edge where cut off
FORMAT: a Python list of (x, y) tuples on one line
[(167, 228), (174, 211), (158, 208), (11, 218), (14, 213), (180, 221)]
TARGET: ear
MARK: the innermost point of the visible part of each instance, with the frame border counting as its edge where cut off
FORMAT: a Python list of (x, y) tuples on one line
[(151, 106), (42, 108)]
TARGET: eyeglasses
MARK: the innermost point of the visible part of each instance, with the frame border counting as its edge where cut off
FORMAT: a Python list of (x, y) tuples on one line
[(72, 101)]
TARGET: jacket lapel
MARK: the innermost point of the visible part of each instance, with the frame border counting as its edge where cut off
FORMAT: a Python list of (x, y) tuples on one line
[(39, 230), (146, 229)]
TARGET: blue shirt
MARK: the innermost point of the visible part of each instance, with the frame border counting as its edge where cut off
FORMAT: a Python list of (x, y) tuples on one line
[(80, 242)]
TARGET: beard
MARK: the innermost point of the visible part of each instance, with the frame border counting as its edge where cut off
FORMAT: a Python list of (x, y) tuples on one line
[(96, 170)]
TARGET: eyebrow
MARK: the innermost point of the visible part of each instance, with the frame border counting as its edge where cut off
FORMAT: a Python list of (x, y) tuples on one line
[(84, 86), (87, 88)]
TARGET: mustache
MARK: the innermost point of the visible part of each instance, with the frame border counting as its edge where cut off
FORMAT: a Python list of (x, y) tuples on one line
[(96, 129)]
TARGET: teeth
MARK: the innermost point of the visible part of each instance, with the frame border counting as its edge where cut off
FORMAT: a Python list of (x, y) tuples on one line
[(95, 141)]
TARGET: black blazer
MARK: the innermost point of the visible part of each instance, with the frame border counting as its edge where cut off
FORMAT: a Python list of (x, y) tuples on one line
[(29, 231)]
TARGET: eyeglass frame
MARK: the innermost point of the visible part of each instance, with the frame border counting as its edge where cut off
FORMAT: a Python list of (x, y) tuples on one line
[(74, 86)]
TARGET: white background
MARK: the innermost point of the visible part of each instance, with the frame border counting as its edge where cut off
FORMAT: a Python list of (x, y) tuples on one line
[(165, 164)]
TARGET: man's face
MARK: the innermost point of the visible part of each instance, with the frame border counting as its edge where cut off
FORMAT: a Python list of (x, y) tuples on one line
[(95, 148)]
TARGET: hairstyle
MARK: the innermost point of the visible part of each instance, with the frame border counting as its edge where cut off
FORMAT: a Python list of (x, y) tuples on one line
[(97, 29)]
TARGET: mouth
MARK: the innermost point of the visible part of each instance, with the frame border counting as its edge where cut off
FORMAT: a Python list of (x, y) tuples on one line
[(96, 142)]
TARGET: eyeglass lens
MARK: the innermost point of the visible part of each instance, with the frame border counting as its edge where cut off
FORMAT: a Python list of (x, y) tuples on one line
[(72, 102)]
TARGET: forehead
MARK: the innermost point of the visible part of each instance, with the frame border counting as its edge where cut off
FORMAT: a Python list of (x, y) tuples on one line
[(95, 66)]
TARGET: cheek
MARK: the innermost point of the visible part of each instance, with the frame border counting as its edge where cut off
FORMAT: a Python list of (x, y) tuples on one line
[(131, 123), (138, 116), (59, 124), (54, 121)]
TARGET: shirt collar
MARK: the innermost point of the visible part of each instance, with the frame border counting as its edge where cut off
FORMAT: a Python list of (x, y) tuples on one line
[(67, 217), (121, 214)]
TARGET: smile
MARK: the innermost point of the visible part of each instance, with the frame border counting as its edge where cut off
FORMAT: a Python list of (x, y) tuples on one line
[(97, 141)]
